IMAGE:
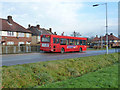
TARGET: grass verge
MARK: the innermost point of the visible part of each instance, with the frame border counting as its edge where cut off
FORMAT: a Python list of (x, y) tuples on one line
[(91, 49), (34, 74), (104, 78)]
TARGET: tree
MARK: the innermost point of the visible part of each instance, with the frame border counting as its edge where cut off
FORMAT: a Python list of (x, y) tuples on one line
[(89, 40), (75, 34)]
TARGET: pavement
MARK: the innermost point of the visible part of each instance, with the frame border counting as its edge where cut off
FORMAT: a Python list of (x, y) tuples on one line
[(14, 59)]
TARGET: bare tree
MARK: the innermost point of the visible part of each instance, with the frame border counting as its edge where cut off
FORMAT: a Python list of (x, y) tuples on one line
[(75, 34), (90, 39)]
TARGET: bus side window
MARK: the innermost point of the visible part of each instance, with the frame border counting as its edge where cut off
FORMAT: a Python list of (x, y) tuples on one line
[(63, 41), (67, 41), (58, 40), (84, 42), (71, 41), (77, 42), (80, 42), (54, 40)]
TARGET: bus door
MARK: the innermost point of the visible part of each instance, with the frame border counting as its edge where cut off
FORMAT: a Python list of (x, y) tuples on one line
[(84, 44), (81, 44), (68, 45), (63, 44), (76, 48), (56, 44)]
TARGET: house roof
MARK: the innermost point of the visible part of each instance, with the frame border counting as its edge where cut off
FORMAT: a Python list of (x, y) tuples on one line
[(96, 39), (110, 37), (12, 26), (38, 31)]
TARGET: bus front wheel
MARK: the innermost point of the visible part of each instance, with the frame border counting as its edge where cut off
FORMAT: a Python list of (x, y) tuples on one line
[(80, 50), (62, 50)]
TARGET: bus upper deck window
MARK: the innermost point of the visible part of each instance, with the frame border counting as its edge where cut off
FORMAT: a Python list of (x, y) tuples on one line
[(45, 39)]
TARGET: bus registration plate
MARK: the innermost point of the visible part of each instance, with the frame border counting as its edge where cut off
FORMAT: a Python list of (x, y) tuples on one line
[(45, 45)]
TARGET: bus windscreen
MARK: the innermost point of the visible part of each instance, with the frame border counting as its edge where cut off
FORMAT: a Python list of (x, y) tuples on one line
[(45, 39)]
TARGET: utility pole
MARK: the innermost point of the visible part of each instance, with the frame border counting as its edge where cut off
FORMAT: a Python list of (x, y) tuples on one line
[(105, 26)]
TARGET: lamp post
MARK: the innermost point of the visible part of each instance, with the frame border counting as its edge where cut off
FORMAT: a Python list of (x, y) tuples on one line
[(105, 26)]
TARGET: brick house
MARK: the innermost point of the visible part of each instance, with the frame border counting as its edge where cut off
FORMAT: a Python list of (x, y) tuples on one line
[(12, 33), (36, 32), (101, 41)]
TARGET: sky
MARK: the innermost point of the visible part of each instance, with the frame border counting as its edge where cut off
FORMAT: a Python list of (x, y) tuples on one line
[(64, 15)]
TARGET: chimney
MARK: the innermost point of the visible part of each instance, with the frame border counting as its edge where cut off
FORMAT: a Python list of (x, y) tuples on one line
[(111, 33), (38, 26), (10, 20), (32, 27), (50, 29), (55, 33), (106, 34), (29, 26), (62, 34)]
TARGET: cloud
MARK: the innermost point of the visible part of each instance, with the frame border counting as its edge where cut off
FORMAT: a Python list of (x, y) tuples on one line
[(62, 16)]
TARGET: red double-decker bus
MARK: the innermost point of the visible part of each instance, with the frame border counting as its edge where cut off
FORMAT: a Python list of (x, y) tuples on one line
[(57, 43)]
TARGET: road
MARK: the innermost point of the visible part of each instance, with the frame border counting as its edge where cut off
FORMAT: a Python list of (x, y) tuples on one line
[(15, 59)]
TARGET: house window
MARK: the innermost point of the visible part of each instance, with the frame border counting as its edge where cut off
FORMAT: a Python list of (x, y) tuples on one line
[(9, 33), (115, 40), (110, 40), (20, 34), (10, 43), (28, 42), (3, 43), (27, 35), (38, 38), (20, 43)]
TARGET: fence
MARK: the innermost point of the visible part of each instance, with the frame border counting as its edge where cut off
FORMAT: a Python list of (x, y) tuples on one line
[(19, 49)]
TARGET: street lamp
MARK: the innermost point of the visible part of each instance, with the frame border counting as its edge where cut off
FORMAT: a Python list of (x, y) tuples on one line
[(105, 26)]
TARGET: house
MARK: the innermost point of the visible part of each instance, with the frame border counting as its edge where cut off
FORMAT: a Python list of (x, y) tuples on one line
[(36, 32), (101, 41), (12, 33)]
